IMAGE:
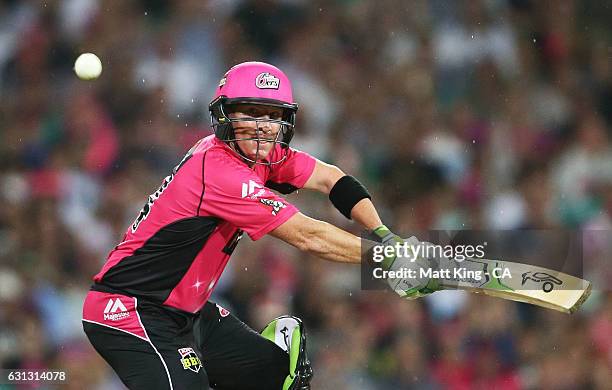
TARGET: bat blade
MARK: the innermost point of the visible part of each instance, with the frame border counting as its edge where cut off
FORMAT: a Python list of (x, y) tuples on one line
[(519, 282)]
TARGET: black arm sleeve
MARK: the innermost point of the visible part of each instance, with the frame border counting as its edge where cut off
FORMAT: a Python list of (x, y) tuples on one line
[(346, 193)]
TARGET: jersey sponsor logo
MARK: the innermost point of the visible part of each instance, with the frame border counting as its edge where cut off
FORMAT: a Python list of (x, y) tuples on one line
[(276, 205), (248, 189), (189, 359), (223, 312), (267, 81), (115, 310)]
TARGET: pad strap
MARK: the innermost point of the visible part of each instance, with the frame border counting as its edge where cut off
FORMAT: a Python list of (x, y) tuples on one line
[(346, 193)]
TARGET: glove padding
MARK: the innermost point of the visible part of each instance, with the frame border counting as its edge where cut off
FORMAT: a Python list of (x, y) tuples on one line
[(408, 287), (420, 285)]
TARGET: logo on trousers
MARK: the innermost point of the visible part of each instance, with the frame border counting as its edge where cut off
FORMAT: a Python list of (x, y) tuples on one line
[(115, 310), (189, 359), (223, 312)]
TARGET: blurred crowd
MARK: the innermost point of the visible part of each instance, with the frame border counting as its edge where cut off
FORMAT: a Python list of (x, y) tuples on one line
[(480, 114)]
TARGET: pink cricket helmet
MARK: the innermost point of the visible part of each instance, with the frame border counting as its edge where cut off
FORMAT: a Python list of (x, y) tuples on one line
[(255, 80)]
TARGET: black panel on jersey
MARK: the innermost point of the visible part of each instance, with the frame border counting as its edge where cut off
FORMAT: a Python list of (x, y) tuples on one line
[(283, 188), (154, 269)]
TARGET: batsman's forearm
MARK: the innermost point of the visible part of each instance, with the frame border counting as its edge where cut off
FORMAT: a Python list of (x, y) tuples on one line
[(320, 239), (366, 215), (326, 241)]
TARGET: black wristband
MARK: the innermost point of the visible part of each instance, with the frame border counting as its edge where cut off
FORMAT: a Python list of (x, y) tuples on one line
[(346, 193)]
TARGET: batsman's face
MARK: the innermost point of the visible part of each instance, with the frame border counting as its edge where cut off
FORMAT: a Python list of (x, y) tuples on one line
[(254, 131)]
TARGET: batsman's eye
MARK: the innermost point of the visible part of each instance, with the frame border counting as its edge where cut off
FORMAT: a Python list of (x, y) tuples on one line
[(259, 113)]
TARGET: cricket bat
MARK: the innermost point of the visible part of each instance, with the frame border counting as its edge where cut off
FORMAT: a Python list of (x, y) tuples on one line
[(519, 282)]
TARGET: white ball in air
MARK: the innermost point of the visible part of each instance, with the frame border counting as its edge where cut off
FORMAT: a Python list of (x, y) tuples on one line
[(88, 66)]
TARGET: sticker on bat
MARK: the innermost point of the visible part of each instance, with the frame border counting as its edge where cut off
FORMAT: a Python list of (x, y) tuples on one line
[(548, 280)]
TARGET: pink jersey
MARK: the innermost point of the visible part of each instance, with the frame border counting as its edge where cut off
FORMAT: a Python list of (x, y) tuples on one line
[(178, 246)]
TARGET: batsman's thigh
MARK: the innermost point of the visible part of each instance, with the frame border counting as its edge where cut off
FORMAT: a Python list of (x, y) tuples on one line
[(142, 363), (235, 356)]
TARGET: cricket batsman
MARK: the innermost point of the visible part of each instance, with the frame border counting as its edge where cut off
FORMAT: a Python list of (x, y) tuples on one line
[(148, 314)]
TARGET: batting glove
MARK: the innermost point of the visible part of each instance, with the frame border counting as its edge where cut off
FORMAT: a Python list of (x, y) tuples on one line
[(407, 287)]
